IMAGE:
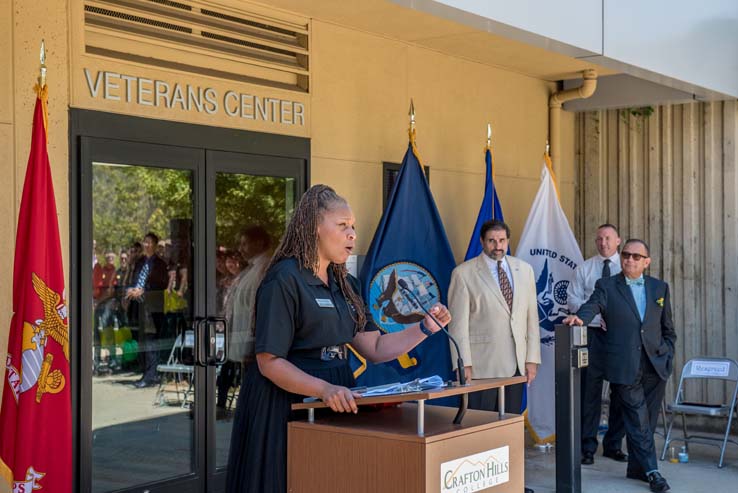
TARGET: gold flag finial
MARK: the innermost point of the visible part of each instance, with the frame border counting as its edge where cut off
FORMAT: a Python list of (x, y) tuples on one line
[(489, 135), (42, 59), (411, 130), (411, 113)]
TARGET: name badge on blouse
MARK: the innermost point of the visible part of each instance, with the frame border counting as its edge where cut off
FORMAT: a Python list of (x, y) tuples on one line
[(324, 302)]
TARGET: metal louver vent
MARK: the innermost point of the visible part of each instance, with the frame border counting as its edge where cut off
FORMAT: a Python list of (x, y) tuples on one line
[(244, 45)]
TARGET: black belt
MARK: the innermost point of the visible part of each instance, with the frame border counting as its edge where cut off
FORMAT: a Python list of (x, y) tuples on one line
[(327, 353)]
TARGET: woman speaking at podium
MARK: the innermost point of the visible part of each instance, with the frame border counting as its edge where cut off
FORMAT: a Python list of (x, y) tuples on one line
[(307, 310)]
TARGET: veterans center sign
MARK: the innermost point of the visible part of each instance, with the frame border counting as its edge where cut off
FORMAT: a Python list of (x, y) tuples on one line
[(131, 89)]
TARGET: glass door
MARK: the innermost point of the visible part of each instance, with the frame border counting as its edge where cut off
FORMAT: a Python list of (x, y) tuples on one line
[(253, 198), (140, 382), (173, 244)]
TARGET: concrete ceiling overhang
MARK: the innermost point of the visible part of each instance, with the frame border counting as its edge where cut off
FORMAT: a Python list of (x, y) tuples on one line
[(437, 26), (625, 91), (710, 34), (447, 36)]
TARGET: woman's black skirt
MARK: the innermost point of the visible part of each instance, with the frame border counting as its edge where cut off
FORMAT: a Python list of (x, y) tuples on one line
[(257, 461)]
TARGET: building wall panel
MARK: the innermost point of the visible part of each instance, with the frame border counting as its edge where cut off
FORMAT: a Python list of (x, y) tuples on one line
[(670, 178)]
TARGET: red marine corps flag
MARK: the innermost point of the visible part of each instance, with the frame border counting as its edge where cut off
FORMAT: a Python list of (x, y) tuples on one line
[(35, 418)]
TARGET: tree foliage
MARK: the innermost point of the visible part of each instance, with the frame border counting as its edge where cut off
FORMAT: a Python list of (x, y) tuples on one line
[(245, 200), (129, 201)]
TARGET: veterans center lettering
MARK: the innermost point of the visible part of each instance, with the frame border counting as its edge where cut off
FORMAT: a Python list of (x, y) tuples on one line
[(113, 86)]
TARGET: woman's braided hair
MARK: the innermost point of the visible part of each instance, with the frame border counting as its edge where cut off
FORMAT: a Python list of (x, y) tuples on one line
[(300, 241)]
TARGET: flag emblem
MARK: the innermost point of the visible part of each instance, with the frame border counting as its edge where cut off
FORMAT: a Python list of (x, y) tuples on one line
[(551, 303), (30, 483), (391, 310), (36, 363)]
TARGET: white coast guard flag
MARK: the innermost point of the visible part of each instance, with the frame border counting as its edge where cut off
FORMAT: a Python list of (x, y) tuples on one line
[(547, 244)]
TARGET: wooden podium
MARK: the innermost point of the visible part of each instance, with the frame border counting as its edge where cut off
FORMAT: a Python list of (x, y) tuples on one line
[(409, 448)]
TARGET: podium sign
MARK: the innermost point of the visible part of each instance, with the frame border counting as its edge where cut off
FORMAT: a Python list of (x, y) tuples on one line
[(476, 472)]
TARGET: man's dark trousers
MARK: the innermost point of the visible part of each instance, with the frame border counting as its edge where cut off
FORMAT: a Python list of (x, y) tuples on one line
[(640, 403), (591, 384), (487, 400)]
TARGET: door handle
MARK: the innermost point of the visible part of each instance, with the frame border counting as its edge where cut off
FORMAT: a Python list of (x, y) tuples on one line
[(211, 344), (217, 341), (198, 325)]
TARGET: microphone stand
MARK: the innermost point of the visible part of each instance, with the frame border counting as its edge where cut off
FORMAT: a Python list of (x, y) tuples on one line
[(410, 296)]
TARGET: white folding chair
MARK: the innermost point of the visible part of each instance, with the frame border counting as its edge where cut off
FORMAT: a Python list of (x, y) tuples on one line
[(705, 368), (178, 369)]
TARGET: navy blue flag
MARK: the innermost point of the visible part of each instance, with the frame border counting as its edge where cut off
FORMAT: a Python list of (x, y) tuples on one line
[(410, 243), (490, 209)]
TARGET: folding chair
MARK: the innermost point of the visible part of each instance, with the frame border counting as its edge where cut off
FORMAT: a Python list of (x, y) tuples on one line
[(178, 368), (704, 369)]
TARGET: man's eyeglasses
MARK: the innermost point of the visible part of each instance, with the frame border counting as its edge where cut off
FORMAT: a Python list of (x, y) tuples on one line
[(635, 256)]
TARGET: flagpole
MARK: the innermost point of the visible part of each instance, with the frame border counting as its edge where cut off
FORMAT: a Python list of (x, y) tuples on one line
[(549, 165), (411, 114), (42, 69), (491, 166), (411, 133), (42, 92)]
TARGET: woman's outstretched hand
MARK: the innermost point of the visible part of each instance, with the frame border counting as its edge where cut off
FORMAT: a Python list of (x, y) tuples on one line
[(340, 399), (441, 313)]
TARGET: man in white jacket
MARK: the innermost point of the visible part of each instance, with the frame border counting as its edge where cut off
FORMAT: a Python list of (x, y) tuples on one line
[(495, 317)]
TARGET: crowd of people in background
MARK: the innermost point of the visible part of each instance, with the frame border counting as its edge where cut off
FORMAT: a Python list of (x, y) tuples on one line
[(142, 301)]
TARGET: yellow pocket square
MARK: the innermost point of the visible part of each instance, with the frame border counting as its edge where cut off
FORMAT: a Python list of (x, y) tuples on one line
[(660, 302)]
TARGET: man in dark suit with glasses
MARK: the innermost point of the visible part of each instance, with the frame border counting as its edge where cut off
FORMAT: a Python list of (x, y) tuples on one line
[(639, 351)]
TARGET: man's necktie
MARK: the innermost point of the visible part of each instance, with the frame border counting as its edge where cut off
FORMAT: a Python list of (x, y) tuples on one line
[(635, 282), (605, 273), (505, 284)]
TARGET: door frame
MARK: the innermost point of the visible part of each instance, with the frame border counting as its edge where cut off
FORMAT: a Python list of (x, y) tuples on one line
[(133, 132)]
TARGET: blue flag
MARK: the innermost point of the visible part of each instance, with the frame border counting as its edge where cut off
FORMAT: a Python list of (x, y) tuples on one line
[(490, 209), (410, 243)]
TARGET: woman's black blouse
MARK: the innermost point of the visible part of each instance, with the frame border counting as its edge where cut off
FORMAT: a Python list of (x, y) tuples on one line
[(296, 311)]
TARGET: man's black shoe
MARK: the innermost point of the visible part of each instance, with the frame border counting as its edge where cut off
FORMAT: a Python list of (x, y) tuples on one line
[(641, 476), (222, 413), (616, 455), (528, 490), (657, 483), (588, 459), (142, 384)]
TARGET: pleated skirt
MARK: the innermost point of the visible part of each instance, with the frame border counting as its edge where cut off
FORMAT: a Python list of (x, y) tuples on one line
[(257, 461)]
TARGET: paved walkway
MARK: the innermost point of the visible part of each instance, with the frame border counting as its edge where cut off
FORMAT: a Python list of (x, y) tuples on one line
[(700, 475)]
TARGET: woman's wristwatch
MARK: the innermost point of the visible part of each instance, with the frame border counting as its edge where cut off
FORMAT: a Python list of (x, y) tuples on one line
[(425, 330)]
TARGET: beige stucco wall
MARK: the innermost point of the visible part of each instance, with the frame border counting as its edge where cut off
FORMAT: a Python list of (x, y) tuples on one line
[(361, 85), (361, 89)]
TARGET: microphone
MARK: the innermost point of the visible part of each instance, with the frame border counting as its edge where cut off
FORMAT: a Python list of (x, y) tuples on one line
[(410, 296)]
